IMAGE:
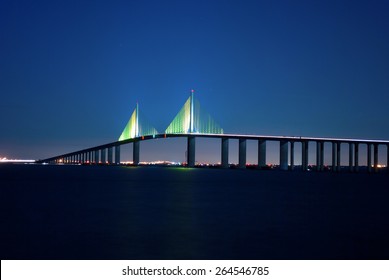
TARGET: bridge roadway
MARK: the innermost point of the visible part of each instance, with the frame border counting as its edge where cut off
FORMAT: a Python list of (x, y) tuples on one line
[(98, 154)]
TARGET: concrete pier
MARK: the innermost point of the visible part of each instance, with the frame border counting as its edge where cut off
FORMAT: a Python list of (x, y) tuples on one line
[(224, 156), (375, 158), (117, 154), (110, 160), (261, 153), (338, 149), (356, 157), (321, 156), (291, 167), (103, 159), (284, 155), (303, 144), (351, 157), (318, 156), (135, 152), (369, 157), (191, 151), (97, 159), (304, 155), (242, 153), (387, 158)]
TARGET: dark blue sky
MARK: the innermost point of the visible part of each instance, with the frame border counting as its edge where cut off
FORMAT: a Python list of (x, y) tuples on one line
[(72, 71)]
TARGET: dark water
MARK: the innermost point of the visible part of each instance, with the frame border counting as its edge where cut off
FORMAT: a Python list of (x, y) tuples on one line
[(97, 212)]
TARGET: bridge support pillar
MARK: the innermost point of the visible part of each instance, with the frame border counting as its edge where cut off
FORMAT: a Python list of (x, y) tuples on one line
[(356, 157), (103, 160), (261, 153), (318, 160), (350, 157), (97, 159), (322, 156), (284, 155), (135, 152), (242, 153), (369, 157), (117, 154), (338, 147), (387, 158), (304, 153), (375, 158), (291, 167), (224, 159), (110, 155), (191, 151)]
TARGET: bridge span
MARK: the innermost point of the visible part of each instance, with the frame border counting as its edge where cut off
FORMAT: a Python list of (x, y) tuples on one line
[(110, 153), (193, 122)]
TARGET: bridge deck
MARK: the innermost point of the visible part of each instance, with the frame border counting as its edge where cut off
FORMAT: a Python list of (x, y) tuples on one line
[(228, 136)]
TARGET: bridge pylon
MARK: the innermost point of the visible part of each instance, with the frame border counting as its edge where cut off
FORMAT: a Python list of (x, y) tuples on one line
[(193, 119), (137, 126)]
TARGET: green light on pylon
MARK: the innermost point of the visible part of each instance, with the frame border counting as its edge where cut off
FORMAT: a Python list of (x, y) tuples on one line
[(137, 127), (192, 119)]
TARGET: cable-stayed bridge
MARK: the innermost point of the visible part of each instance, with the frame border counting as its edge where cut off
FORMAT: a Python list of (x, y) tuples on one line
[(193, 122)]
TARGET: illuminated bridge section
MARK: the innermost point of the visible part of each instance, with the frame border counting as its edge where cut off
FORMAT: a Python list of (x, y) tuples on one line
[(193, 119), (192, 122), (137, 126)]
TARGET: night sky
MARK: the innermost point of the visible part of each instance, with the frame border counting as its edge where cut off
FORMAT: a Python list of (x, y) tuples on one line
[(71, 72)]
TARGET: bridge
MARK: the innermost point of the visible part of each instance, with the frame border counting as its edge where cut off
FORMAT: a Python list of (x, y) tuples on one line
[(193, 122)]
